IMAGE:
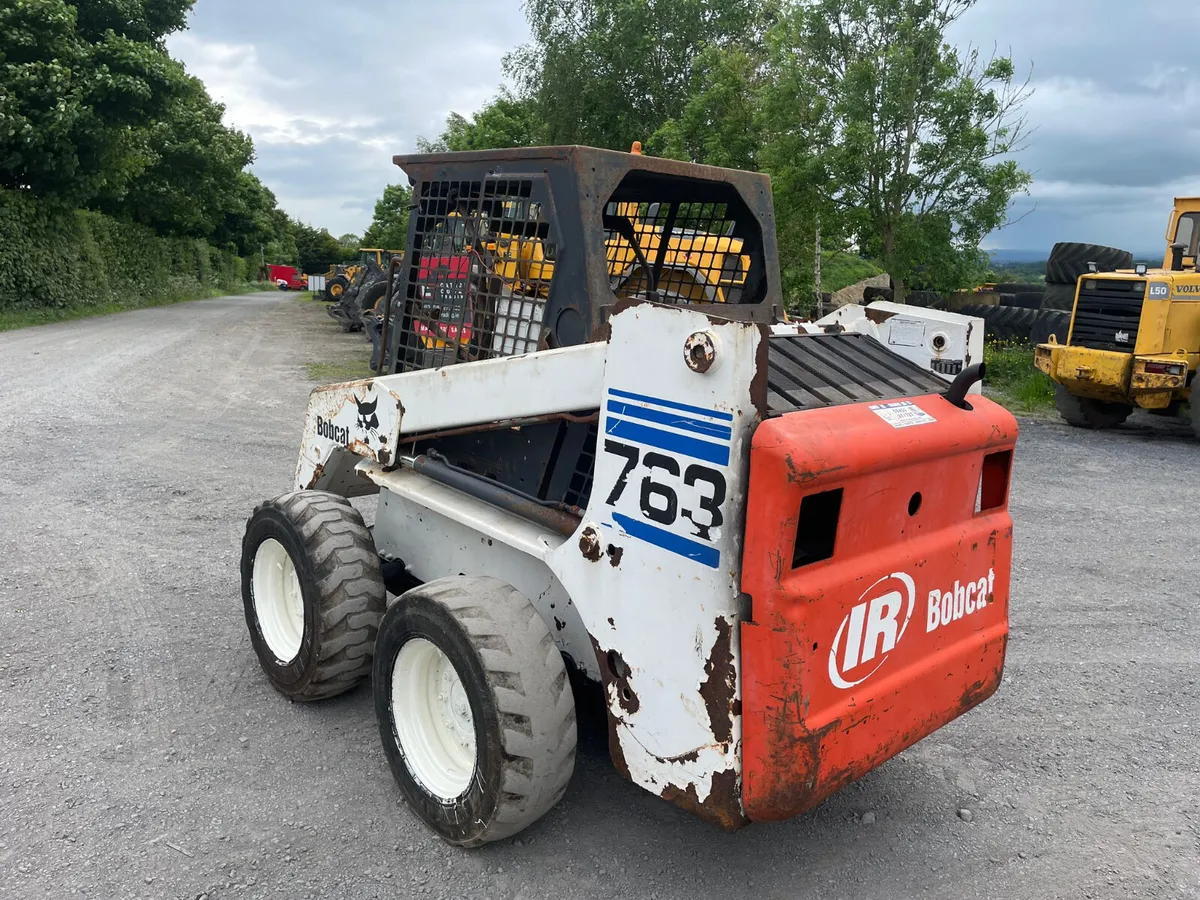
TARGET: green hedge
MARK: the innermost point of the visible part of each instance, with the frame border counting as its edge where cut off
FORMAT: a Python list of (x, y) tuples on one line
[(52, 260)]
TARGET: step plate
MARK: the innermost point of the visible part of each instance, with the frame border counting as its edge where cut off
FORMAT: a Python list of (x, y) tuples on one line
[(811, 371)]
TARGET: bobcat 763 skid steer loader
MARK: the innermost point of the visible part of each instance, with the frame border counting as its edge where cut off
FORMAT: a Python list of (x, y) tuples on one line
[(784, 556)]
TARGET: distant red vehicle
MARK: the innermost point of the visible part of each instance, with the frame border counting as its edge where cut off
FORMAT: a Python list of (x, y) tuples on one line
[(288, 278)]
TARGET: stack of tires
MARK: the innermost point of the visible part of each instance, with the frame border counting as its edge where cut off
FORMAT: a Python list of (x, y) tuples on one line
[(1014, 317), (1069, 260)]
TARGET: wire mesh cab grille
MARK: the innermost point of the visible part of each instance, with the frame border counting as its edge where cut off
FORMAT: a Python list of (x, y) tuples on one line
[(682, 244), (808, 371), (477, 273), (513, 251), (1107, 314)]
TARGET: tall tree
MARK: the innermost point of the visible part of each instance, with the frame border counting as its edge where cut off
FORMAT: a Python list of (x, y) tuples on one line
[(76, 81), (609, 72), (191, 163), (389, 227), (317, 249), (913, 142), (505, 121)]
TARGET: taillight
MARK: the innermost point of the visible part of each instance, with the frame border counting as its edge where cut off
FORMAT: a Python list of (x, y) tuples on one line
[(1165, 368)]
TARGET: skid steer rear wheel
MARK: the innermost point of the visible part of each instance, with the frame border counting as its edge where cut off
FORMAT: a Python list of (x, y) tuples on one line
[(475, 710), (313, 593), (1084, 412)]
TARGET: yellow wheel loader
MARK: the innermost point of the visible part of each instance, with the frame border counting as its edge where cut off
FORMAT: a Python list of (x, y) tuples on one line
[(1134, 335)]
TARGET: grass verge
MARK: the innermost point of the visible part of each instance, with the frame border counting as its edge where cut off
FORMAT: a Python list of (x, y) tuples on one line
[(1013, 381), (12, 319), (338, 372)]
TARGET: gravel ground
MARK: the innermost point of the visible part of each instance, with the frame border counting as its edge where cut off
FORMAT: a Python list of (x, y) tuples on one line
[(143, 754)]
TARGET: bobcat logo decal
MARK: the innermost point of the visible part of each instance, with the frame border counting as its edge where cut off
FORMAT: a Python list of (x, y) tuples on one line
[(368, 421)]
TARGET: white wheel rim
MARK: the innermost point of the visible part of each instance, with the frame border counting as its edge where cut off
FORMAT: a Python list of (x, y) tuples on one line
[(433, 719), (278, 600)]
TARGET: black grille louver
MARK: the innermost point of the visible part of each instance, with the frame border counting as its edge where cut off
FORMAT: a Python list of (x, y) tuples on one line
[(808, 371), (1107, 314)]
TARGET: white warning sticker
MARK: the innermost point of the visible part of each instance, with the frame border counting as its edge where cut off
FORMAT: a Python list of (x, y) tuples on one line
[(902, 413)]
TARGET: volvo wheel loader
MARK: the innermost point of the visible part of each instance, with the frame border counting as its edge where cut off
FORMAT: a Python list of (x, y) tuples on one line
[(781, 557), (1134, 336)]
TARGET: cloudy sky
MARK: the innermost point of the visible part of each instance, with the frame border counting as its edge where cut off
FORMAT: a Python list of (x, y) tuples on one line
[(330, 91)]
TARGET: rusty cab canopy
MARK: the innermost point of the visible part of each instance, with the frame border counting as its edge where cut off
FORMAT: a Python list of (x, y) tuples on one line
[(516, 250)]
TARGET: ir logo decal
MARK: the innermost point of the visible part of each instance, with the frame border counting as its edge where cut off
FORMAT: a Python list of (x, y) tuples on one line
[(871, 630)]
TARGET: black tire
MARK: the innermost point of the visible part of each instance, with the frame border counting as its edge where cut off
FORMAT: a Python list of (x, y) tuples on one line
[(370, 295), (519, 697), (1069, 260), (923, 299), (1194, 412), (342, 589), (1050, 322), (336, 286), (1059, 296), (1024, 301), (1084, 412), (1003, 323), (1019, 287), (872, 293)]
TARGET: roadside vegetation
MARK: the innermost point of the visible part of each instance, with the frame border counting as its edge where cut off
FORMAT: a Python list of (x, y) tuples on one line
[(1012, 380)]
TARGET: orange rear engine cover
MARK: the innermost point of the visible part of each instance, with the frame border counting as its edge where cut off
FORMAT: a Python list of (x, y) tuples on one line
[(877, 557)]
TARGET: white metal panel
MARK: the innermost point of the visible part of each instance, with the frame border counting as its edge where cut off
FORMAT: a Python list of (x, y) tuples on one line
[(438, 531), (947, 342), (369, 417), (655, 569), (941, 342)]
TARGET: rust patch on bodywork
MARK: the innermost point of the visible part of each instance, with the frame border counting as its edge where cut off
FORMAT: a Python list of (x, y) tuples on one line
[(878, 316), (589, 545), (719, 689), (614, 556), (614, 741), (722, 806), (804, 476)]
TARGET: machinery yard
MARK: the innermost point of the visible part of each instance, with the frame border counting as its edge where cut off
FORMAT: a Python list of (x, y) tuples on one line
[(147, 756)]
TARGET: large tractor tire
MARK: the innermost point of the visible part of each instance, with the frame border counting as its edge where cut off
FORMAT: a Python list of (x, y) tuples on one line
[(1022, 301), (313, 593), (474, 707), (1019, 287), (1059, 296), (1003, 323), (1055, 322), (1084, 412), (1194, 405), (336, 286), (1070, 260)]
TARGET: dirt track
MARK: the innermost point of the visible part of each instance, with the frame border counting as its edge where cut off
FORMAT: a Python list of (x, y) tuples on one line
[(142, 753)]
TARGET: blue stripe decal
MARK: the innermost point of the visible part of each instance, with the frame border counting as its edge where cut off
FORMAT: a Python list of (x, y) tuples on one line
[(717, 454), (675, 420), (642, 398), (681, 546)]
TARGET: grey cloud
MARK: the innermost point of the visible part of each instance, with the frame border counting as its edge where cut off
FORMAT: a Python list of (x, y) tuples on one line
[(330, 91)]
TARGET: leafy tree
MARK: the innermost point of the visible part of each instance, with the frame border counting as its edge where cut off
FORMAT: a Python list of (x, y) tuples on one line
[(609, 72), (505, 121), (389, 227), (76, 80), (718, 124), (911, 141), (252, 220), (316, 248), (190, 181)]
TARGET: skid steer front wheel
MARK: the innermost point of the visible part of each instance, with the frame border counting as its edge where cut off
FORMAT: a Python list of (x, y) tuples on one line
[(475, 709), (313, 593)]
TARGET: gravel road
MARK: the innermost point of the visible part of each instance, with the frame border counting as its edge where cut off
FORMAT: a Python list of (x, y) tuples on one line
[(143, 754)]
